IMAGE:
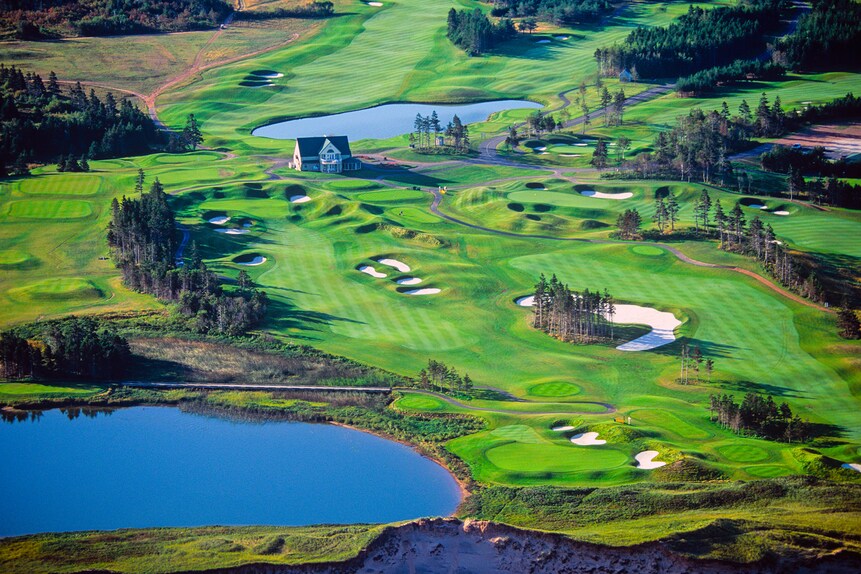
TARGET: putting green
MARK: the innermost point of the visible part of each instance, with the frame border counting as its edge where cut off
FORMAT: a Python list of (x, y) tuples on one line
[(350, 184), (554, 458), (556, 389), (59, 209), (413, 214), (391, 195), (647, 250), (65, 184), (14, 258), (742, 453), (420, 403)]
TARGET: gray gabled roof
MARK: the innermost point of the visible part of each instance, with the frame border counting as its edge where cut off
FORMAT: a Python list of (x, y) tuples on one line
[(312, 146)]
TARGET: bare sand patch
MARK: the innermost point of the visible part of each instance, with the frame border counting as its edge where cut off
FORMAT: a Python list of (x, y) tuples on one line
[(663, 325), (646, 460), (601, 195), (587, 439), (426, 291), (399, 265), (371, 271)]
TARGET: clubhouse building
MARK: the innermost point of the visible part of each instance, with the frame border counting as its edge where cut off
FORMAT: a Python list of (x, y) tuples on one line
[(327, 154)]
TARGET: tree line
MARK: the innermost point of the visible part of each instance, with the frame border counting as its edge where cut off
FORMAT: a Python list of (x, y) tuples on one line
[(76, 346), (438, 376), (143, 240), (45, 19), (827, 38), (575, 316), (759, 417), (699, 39), (40, 123), (428, 133), (562, 12), (474, 33), (710, 79), (310, 10)]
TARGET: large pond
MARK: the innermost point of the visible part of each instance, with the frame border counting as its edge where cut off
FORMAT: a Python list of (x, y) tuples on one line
[(385, 121), (152, 466)]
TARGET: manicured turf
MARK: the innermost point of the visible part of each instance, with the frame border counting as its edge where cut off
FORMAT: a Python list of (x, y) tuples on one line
[(558, 389), (56, 209)]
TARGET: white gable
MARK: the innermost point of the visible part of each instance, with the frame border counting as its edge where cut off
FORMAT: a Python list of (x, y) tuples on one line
[(328, 147)]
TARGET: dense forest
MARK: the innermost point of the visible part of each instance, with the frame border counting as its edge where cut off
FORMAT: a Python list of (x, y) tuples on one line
[(474, 33), (581, 317), (324, 9), (563, 12), (700, 39), (143, 238), (826, 39), (40, 19), (759, 417), (40, 122), (711, 79), (80, 347)]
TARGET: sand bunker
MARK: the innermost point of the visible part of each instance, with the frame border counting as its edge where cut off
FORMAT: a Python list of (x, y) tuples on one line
[(271, 75), (581, 144), (600, 195), (258, 260), (781, 212), (756, 206), (528, 301), (562, 429), (375, 4), (232, 231), (542, 148), (220, 220), (431, 291), (569, 155), (662, 323), (400, 266), (545, 41), (645, 459), (587, 439), (852, 466), (561, 37), (299, 199), (409, 281), (371, 271)]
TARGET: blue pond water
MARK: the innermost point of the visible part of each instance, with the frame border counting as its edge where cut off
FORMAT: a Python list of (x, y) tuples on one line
[(385, 121), (151, 466)]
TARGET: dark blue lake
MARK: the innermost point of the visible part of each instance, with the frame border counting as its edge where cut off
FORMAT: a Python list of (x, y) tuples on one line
[(384, 121), (152, 466)]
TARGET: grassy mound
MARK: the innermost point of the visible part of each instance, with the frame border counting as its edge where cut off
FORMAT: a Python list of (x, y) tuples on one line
[(59, 289)]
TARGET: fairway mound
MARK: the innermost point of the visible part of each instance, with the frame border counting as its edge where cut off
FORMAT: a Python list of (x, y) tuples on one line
[(602, 195), (536, 184), (409, 281), (852, 466), (587, 224), (646, 460), (57, 289), (427, 291), (232, 231), (299, 199), (663, 325), (781, 212), (562, 428), (371, 271), (527, 301), (399, 265), (16, 259), (587, 439), (250, 259)]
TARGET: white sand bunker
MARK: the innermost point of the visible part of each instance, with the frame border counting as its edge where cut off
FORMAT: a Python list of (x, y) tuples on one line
[(232, 231), (299, 199), (219, 220), (247, 224), (645, 460), (542, 148), (562, 428), (375, 4), (545, 41), (561, 37), (852, 466), (662, 323), (587, 439), (756, 206), (600, 195), (400, 266), (259, 260), (429, 291), (781, 212), (409, 281), (371, 271), (528, 301), (581, 144), (273, 75), (569, 155)]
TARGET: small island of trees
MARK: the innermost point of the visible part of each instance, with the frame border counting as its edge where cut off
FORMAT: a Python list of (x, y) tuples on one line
[(574, 316)]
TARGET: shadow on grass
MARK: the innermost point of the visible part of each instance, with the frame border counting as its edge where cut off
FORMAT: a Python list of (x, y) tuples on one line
[(284, 316)]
